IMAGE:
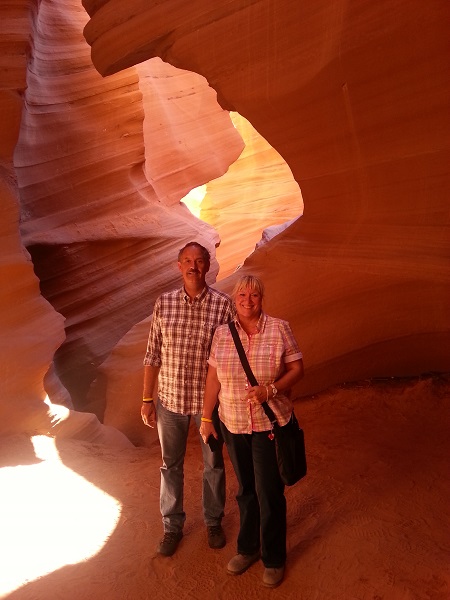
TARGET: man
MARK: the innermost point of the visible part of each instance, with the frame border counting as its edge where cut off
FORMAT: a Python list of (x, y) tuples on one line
[(180, 336)]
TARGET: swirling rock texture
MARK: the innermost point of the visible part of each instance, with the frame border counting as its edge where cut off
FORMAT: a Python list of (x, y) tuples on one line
[(355, 98), (30, 327), (96, 168), (101, 166), (25, 353)]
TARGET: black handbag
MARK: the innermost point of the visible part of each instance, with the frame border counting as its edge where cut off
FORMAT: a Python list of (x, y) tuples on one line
[(289, 439)]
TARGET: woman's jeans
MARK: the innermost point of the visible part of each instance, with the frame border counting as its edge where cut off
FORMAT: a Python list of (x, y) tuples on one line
[(261, 500), (173, 429)]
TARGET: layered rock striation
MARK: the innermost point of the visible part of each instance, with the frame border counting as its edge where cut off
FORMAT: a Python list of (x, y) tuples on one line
[(98, 146), (101, 165), (25, 353), (355, 98)]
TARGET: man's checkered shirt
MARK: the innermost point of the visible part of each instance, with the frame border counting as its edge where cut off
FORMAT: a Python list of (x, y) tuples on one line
[(179, 341)]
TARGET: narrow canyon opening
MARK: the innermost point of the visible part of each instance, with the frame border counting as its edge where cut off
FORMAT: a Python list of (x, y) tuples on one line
[(257, 194)]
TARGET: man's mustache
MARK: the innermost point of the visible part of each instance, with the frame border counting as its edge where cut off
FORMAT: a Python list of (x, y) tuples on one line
[(193, 271)]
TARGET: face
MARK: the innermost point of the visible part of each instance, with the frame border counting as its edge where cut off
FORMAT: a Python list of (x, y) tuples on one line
[(248, 303), (193, 266)]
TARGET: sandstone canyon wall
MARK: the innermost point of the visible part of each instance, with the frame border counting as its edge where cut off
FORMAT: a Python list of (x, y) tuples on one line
[(353, 96), (99, 213), (25, 353)]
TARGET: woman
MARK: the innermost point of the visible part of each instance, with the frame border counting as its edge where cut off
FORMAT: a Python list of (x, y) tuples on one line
[(276, 362)]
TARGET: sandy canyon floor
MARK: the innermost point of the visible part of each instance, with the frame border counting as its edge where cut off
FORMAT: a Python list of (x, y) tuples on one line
[(369, 522)]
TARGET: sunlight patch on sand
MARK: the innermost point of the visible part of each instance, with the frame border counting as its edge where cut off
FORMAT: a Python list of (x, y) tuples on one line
[(50, 517)]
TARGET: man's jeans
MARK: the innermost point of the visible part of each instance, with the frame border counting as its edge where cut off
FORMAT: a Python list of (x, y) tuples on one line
[(173, 429)]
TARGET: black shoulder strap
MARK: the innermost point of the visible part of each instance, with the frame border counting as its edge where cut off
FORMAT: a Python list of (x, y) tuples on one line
[(241, 352), (248, 370)]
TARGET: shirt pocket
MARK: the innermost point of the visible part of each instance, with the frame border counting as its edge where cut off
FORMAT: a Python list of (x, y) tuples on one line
[(173, 332), (272, 357), (196, 336)]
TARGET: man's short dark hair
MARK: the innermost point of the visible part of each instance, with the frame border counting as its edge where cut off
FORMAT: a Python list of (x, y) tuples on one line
[(205, 252)]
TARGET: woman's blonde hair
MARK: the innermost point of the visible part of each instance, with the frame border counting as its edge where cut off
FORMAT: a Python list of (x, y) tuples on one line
[(250, 281)]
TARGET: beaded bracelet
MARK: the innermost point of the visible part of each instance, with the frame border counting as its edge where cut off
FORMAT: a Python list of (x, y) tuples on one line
[(204, 420)]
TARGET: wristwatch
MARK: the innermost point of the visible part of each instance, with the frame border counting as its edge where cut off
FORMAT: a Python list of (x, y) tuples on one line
[(274, 390)]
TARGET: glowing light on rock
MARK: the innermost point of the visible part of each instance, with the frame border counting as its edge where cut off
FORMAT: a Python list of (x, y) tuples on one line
[(194, 199)]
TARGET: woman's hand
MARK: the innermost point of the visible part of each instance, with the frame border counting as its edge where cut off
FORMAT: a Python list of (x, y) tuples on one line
[(148, 414), (257, 394), (207, 429)]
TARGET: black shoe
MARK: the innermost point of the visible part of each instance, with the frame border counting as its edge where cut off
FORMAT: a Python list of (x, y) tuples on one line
[(169, 543), (216, 536)]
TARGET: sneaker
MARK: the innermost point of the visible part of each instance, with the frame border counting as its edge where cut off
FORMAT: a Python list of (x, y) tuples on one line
[(216, 536), (241, 562), (169, 543), (273, 576)]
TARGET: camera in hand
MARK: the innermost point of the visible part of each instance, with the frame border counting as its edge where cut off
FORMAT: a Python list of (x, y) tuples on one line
[(213, 443)]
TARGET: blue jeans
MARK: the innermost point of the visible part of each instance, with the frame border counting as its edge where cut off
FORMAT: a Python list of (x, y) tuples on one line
[(173, 429), (261, 500)]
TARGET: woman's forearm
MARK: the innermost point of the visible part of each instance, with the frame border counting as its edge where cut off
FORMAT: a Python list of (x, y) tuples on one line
[(293, 374), (212, 388)]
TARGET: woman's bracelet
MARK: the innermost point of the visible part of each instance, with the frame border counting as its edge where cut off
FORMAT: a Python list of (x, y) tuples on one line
[(205, 420), (147, 400)]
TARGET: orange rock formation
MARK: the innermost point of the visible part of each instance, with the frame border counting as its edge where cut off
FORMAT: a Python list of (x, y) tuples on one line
[(355, 99)]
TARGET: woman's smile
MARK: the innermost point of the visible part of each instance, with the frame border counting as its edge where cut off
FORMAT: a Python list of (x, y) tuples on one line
[(248, 303)]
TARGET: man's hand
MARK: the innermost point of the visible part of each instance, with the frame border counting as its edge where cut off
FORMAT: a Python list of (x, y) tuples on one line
[(148, 414)]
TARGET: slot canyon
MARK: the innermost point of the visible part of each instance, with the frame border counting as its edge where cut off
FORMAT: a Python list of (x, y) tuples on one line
[(317, 137)]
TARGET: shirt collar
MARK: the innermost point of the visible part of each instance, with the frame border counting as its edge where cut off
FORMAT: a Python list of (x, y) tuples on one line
[(260, 324), (198, 298)]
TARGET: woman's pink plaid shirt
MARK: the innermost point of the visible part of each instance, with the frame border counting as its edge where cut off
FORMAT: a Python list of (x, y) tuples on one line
[(267, 351)]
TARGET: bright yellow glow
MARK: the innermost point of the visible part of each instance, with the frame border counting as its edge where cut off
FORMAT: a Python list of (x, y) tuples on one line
[(49, 517), (194, 200)]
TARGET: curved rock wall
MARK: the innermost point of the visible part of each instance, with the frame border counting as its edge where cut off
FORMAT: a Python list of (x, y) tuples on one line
[(100, 184), (25, 353), (355, 97)]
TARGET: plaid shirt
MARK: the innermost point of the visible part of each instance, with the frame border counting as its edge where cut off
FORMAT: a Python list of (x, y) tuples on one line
[(267, 351), (179, 342)]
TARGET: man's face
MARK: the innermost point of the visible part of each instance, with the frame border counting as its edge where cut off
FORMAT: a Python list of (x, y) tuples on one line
[(193, 266)]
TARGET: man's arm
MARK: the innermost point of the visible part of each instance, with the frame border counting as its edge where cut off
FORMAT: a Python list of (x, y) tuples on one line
[(212, 389), (148, 412)]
